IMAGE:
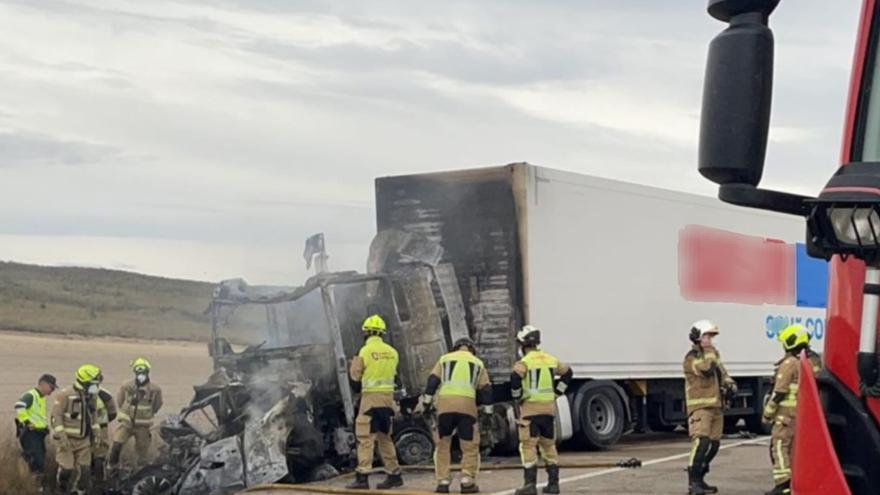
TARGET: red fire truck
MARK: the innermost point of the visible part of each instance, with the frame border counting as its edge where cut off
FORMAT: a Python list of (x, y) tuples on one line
[(837, 443)]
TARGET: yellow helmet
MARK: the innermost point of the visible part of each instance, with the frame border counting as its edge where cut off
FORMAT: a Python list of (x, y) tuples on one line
[(88, 373), (793, 336), (803, 337), (140, 365), (374, 323)]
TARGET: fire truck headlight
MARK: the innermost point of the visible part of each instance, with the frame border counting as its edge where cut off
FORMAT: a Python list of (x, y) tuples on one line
[(845, 218)]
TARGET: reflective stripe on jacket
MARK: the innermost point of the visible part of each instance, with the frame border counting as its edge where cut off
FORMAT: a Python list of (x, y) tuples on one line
[(538, 380), (460, 372)]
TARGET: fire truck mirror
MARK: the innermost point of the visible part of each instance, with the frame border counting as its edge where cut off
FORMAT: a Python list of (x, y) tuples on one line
[(737, 93)]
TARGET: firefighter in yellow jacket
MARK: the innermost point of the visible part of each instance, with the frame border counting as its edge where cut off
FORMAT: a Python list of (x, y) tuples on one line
[(463, 384), (138, 402), (373, 373), (707, 385), (532, 383), (74, 426), (781, 409)]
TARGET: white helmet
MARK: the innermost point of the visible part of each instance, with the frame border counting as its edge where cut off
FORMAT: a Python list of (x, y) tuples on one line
[(529, 334), (703, 327)]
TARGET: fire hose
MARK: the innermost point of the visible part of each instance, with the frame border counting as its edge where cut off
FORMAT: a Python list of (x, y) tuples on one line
[(632, 463)]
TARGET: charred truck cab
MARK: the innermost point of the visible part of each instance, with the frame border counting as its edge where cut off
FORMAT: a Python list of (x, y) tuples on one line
[(276, 339)]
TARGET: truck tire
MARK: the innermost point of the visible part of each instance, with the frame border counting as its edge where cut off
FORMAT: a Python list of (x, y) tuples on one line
[(599, 416), (414, 446)]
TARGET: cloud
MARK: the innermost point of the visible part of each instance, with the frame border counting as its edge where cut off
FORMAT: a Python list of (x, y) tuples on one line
[(24, 149), (205, 131)]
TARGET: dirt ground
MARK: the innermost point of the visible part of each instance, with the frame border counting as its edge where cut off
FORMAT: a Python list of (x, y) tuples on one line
[(742, 468), (177, 366)]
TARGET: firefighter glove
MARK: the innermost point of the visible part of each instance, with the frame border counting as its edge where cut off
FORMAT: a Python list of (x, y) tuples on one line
[(770, 410)]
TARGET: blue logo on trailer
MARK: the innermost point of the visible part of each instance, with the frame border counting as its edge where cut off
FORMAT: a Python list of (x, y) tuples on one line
[(811, 292), (774, 324)]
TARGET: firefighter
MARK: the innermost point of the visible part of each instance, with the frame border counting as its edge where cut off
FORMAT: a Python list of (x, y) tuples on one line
[(707, 384), (74, 426), (32, 425), (107, 412), (781, 408), (373, 374), (463, 384), (531, 384), (138, 402)]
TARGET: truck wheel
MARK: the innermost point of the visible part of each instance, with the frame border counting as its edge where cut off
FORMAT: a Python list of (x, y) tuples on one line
[(152, 485), (414, 446), (600, 416)]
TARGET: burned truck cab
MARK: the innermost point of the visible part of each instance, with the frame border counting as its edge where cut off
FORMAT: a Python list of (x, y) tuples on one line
[(274, 339)]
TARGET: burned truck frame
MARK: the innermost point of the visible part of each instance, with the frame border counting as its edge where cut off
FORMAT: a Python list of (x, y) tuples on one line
[(308, 335), (279, 405)]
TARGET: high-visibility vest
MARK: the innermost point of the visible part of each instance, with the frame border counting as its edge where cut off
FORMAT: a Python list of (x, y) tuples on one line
[(538, 382), (35, 413), (380, 366), (460, 370)]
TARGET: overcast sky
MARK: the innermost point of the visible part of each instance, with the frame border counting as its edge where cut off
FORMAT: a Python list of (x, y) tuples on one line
[(208, 139)]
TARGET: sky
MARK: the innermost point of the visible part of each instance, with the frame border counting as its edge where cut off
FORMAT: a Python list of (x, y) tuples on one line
[(208, 139)]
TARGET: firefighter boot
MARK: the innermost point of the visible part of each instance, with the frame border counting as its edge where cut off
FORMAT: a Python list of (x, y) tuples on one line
[(694, 486), (552, 479), (530, 482), (702, 480), (390, 481), (468, 485), (781, 489), (361, 482), (85, 480)]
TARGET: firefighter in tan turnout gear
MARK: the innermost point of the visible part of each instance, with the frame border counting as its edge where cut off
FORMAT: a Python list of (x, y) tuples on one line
[(373, 373), (74, 426), (532, 383), (781, 409), (463, 384), (138, 402), (707, 385)]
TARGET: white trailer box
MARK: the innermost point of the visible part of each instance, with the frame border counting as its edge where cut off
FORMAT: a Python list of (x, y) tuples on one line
[(614, 274)]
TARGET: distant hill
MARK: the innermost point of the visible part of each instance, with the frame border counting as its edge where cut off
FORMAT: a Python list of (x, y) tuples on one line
[(90, 301)]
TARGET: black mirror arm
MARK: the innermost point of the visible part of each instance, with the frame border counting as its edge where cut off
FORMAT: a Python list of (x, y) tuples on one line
[(763, 199)]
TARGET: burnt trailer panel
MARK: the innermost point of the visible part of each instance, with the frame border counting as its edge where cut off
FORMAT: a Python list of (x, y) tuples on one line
[(474, 215)]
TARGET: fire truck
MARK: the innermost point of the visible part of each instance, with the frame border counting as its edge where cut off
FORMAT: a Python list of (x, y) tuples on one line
[(837, 442)]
